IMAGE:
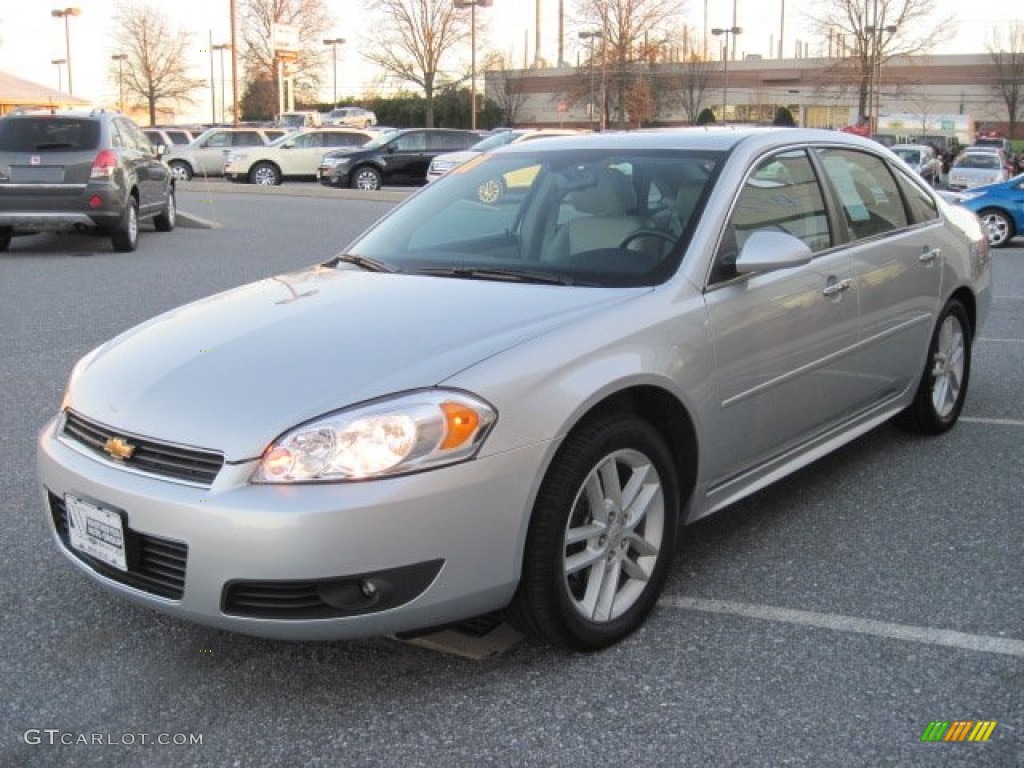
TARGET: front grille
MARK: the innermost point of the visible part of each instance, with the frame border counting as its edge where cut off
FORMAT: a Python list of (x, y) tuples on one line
[(155, 565), (176, 462)]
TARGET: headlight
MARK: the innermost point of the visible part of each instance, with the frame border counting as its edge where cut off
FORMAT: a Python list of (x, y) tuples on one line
[(334, 162), (406, 433)]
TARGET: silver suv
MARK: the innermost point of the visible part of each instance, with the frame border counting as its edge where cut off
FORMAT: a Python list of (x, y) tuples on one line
[(81, 169), (206, 155)]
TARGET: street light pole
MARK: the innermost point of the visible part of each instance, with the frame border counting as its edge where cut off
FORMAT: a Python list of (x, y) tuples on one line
[(472, 4), (223, 86), (64, 13), (119, 58), (590, 37), (59, 62), (717, 31), (334, 42)]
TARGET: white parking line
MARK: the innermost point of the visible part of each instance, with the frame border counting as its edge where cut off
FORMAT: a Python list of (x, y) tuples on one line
[(838, 623), (1001, 341), (997, 422)]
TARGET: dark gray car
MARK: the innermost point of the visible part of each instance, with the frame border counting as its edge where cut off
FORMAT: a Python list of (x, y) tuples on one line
[(89, 169)]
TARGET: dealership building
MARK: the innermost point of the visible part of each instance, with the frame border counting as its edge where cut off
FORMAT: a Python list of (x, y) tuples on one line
[(822, 92)]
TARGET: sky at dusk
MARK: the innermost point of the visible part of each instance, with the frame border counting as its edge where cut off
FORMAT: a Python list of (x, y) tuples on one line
[(30, 38)]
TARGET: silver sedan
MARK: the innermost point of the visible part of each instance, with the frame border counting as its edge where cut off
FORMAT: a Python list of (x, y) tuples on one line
[(530, 393)]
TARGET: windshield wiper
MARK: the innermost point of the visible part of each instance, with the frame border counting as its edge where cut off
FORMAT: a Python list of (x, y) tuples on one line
[(489, 273), (366, 262)]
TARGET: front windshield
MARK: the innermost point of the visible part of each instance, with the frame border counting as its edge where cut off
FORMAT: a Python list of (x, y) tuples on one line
[(978, 160), (380, 141), (593, 217), (909, 156)]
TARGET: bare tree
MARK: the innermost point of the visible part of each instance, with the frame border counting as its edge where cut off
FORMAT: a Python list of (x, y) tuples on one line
[(630, 30), (506, 87), (874, 31), (688, 86), (413, 39), (310, 19), (154, 71), (1008, 59)]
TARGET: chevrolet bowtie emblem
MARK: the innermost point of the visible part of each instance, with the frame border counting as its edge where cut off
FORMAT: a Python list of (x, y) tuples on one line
[(119, 448)]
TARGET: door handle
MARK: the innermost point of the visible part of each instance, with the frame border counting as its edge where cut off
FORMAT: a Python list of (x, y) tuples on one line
[(837, 287), (929, 255)]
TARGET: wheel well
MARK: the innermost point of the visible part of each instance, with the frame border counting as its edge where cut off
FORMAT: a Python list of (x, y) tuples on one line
[(179, 161), (271, 163), (669, 417), (965, 297)]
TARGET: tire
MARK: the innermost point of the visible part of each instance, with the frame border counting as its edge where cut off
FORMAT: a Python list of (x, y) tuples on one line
[(5, 240), (998, 227), (365, 177), (943, 388), (265, 174), (181, 170), (125, 235), (164, 222), (590, 576)]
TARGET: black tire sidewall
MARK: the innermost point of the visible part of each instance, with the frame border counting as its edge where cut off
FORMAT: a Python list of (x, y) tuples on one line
[(922, 414), (542, 586)]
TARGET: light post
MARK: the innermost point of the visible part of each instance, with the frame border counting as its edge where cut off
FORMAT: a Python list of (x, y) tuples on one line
[(876, 71), (718, 31), (590, 37), (334, 42), (59, 63), (472, 52), (119, 58), (223, 86), (64, 13)]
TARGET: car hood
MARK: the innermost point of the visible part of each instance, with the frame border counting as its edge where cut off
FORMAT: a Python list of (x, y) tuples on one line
[(234, 371), (456, 157)]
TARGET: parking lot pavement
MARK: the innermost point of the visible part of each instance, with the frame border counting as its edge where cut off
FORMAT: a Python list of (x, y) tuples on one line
[(826, 621)]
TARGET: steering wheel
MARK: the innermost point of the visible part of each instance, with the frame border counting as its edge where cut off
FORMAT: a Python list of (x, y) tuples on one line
[(667, 237)]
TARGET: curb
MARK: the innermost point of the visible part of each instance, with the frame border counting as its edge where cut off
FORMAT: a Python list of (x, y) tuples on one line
[(311, 189)]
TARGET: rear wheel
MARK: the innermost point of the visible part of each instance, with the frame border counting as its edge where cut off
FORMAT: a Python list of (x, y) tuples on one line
[(366, 178), (164, 222), (125, 235), (943, 388), (182, 171), (265, 174), (601, 537), (998, 227)]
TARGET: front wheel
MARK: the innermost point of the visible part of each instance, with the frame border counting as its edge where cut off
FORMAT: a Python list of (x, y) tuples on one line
[(601, 537), (943, 388), (998, 227), (264, 174), (366, 178), (182, 171)]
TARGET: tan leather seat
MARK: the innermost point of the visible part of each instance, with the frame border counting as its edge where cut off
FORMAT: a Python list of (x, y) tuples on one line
[(607, 209)]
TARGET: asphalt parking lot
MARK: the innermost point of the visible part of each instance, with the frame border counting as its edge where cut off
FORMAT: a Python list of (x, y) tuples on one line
[(826, 621)]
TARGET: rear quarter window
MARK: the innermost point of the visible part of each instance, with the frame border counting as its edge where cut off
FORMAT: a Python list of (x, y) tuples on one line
[(46, 134)]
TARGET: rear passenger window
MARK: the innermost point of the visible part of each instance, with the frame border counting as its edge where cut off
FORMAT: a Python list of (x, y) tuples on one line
[(921, 205), (870, 199), (248, 139)]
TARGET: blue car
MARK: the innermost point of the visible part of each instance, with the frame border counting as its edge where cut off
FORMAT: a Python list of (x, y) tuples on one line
[(1000, 208)]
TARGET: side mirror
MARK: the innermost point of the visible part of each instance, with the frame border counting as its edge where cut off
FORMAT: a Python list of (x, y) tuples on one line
[(288, 145), (766, 251)]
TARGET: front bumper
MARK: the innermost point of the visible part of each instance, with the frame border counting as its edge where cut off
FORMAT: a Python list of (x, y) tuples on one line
[(437, 547)]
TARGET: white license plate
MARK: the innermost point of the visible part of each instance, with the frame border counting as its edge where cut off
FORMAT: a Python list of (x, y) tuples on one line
[(96, 532)]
